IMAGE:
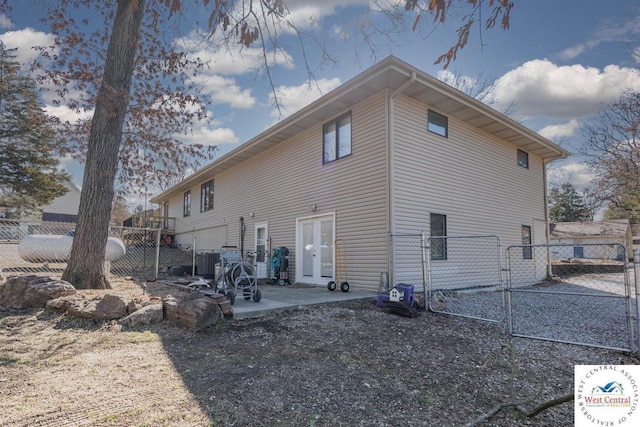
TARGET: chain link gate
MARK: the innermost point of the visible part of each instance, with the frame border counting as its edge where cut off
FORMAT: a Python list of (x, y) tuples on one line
[(577, 294)]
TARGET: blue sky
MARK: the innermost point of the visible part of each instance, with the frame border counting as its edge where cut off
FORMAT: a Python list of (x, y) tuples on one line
[(559, 64)]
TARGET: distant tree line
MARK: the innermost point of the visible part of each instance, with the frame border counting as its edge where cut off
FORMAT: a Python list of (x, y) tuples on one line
[(612, 149)]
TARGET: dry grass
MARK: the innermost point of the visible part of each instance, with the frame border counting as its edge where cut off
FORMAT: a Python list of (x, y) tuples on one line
[(345, 364)]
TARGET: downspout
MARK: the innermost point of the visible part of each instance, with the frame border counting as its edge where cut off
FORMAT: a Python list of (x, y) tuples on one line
[(390, 168), (242, 229)]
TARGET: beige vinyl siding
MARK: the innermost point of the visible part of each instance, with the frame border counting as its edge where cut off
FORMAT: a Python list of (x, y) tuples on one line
[(277, 184), (471, 177)]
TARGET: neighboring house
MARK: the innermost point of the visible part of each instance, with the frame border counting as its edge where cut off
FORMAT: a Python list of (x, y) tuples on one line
[(392, 150), (65, 207), (593, 239)]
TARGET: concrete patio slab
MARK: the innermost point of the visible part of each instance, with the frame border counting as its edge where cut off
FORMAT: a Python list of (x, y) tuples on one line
[(292, 297)]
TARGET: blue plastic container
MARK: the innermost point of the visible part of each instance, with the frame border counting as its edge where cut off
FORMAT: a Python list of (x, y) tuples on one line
[(407, 291), (382, 298)]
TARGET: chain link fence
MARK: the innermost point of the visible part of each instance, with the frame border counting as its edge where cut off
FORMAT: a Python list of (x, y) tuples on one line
[(464, 276), (406, 260), (184, 260), (42, 248), (579, 294)]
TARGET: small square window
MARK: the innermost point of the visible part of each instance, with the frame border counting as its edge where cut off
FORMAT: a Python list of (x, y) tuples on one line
[(438, 124), (523, 159)]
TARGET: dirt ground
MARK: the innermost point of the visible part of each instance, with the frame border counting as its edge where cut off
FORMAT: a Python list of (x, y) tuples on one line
[(347, 364)]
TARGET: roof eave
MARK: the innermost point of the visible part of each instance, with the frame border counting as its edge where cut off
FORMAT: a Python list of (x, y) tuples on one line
[(390, 73)]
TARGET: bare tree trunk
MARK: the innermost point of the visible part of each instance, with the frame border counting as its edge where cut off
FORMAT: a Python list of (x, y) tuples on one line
[(85, 269)]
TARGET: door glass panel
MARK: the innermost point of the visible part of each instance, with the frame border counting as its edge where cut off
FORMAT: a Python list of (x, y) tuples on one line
[(326, 248), (261, 244), (307, 249)]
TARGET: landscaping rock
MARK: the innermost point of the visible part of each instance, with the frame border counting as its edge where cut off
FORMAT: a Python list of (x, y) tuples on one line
[(135, 305), (65, 302), (32, 291), (169, 307), (148, 315), (195, 311), (108, 307), (38, 294)]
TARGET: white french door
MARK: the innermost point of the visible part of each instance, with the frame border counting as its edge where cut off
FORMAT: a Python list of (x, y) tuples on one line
[(261, 248), (314, 250)]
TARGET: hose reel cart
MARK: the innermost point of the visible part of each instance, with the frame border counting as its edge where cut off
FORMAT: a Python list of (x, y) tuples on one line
[(237, 276), (280, 266)]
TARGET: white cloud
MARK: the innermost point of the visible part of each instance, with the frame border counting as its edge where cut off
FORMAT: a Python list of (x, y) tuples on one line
[(571, 171), (65, 162), (25, 39), (210, 136), (463, 83), (293, 98), (226, 61), (5, 21), (230, 59), (555, 132), (66, 114), (611, 30), (573, 52), (309, 13), (541, 88), (225, 91)]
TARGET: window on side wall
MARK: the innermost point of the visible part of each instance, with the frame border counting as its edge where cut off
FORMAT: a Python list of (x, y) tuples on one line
[(206, 196), (526, 240), (438, 242), (336, 139), (186, 206), (438, 124), (523, 159)]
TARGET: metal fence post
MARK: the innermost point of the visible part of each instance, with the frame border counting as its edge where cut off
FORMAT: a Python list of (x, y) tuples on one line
[(507, 271), (428, 282), (636, 276), (158, 238), (390, 259), (193, 256), (424, 265)]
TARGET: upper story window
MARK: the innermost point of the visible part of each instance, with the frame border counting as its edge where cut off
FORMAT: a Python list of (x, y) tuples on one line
[(336, 140), (438, 239), (206, 196), (438, 124), (186, 206), (523, 159)]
